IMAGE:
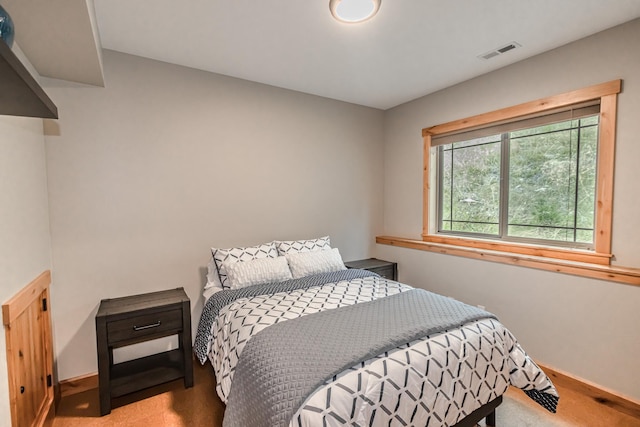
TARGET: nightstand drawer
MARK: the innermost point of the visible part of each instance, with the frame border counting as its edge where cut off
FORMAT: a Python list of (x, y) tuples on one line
[(386, 269), (144, 325), (386, 272)]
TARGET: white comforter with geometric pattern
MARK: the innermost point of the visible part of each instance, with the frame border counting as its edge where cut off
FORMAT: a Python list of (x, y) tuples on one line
[(438, 380)]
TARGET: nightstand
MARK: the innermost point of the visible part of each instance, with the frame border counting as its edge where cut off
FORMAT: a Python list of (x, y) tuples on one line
[(129, 320), (386, 269)]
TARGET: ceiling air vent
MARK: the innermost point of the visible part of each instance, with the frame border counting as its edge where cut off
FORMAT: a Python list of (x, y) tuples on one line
[(499, 51)]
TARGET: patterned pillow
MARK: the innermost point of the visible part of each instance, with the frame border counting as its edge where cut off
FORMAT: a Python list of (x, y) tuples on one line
[(294, 246), (257, 272), (220, 256), (213, 280), (308, 263)]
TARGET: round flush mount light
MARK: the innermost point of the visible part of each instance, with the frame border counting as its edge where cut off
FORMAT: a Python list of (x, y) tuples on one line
[(353, 11)]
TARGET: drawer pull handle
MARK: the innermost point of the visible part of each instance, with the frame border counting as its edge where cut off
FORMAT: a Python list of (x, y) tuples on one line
[(140, 328)]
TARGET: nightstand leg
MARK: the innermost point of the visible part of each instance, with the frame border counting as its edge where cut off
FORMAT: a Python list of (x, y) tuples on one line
[(188, 369), (105, 359), (185, 344)]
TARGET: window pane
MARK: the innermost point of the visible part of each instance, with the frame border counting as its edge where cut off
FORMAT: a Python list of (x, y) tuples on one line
[(543, 233), (593, 120), (584, 236), (537, 130), (471, 186), (587, 178), (552, 182)]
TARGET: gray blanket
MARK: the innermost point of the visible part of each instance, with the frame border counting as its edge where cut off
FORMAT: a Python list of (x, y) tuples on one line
[(283, 364)]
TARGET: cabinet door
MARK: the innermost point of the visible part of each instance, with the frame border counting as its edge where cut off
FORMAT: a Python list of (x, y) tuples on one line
[(29, 358)]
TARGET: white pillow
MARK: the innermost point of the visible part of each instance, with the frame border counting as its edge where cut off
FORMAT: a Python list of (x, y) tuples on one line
[(314, 262), (257, 272), (208, 292), (290, 246), (231, 255)]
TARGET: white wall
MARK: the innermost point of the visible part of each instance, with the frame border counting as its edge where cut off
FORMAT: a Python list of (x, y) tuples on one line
[(147, 174), (25, 244), (582, 326)]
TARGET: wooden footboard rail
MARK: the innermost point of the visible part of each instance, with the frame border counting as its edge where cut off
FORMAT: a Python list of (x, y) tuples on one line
[(27, 322)]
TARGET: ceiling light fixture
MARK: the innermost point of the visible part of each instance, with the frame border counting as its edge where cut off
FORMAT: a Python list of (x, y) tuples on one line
[(353, 11)]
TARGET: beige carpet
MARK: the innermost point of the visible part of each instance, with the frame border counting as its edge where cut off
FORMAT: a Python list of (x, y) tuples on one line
[(512, 413)]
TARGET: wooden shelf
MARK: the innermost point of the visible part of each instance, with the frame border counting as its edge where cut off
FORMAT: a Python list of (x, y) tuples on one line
[(145, 372), (20, 93)]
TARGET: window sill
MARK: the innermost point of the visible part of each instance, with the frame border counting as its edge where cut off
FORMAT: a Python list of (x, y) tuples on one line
[(555, 252), (626, 275)]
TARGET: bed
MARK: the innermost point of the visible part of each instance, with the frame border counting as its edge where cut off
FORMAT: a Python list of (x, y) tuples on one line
[(295, 339)]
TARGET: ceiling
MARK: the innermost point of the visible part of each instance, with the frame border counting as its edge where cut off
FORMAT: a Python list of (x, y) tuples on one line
[(410, 49)]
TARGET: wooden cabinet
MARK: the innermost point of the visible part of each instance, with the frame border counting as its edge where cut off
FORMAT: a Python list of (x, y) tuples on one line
[(27, 323), (386, 269), (130, 320)]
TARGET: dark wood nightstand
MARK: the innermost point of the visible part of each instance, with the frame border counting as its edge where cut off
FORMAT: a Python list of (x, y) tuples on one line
[(134, 319), (387, 269)]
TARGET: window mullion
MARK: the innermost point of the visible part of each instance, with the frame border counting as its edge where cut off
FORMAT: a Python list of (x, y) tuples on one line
[(577, 183), (440, 181), (451, 215), (504, 186)]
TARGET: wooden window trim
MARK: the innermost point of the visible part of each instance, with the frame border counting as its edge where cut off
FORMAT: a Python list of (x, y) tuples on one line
[(626, 275), (607, 93)]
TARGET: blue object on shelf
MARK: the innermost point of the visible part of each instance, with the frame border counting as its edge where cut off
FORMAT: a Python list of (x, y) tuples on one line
[(6, 27)]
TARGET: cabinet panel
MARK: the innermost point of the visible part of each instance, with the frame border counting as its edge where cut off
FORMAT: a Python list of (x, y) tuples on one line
[(29, 353), (27, 364)]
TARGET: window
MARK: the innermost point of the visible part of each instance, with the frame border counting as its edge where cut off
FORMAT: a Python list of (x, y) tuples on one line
[(534, 179), (533, 185)]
